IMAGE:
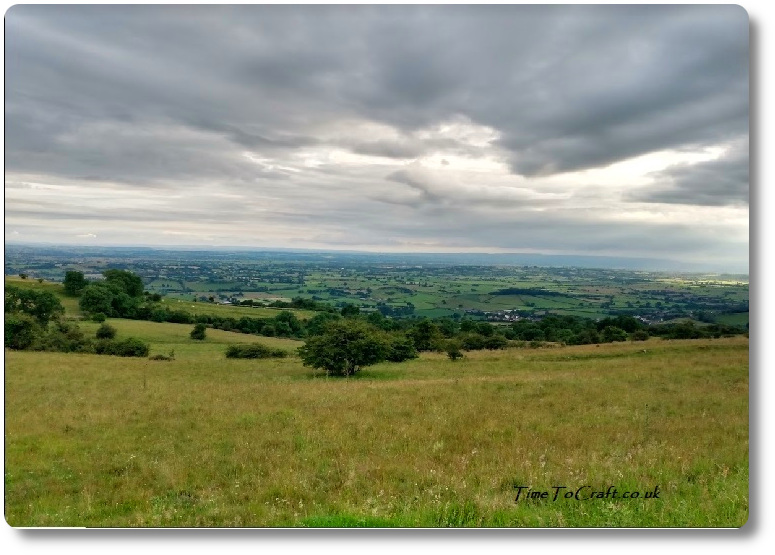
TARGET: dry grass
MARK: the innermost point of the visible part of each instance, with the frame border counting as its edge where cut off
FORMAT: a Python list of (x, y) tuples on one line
[(209, 441)]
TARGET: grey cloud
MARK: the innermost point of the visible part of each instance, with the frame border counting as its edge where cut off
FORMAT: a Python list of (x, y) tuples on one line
[(443, 191), (720, 182), (418, 183), (567, 87), (408, 147), (171, 98), (390, 149)]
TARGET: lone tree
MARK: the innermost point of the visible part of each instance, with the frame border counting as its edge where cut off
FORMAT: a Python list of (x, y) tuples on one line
[(199, 332), (453, 350), (345, 347)]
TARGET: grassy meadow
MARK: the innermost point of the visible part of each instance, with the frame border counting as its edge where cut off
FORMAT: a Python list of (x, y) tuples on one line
[(207, 441), (231, 311)]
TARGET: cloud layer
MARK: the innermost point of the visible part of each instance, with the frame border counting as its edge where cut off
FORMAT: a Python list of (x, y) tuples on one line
[(600, 130)]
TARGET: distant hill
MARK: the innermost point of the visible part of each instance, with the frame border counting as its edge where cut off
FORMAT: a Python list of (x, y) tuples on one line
[(477, 259)]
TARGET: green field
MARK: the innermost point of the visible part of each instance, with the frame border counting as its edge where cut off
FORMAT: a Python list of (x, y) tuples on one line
[(231, 311), (737, 319), (164, 337), (209, 441), (203, 440)]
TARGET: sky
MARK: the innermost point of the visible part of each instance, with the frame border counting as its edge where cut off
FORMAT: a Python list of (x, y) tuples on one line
[(587, 130)]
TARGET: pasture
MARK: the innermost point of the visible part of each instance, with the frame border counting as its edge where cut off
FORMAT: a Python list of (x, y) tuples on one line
[(207, 441)]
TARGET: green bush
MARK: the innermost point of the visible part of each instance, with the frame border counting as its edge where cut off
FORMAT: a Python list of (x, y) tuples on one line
[(169, 357), (129, 347), (21, 331), (106, 331), (453, 350), (401, 349), (199, 332), (254, 350), (64, 337), (495, 342), (472, 342), (613, 333)]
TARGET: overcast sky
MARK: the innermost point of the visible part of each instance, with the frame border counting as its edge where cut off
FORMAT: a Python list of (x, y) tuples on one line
[(613, 130)]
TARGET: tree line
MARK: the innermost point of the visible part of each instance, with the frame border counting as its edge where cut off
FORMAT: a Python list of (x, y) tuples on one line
[(34, 322), (121, 295), (339, 341)]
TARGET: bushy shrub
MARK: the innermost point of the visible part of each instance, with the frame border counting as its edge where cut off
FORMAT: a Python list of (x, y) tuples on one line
[(613, 333), (129, 347), (64, 337), (640, 335), (199, 332), (179, 317), (254, 350), (585, 337), (495, 342), (401, 349), (453, 350), (159, 315), (97, 298), (171, 356), (472, 342), (21, 331), (98, 317), (106, 331)]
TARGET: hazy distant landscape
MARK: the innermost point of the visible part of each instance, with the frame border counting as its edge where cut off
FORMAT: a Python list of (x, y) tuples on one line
[(406, 285)]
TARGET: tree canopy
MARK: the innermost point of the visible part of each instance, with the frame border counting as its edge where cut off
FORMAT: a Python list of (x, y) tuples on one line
[(41, 305), (74, 283), (128, 282), (346, 346), (118, 295)]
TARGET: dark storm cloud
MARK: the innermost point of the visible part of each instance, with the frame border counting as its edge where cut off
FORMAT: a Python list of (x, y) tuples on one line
[(717, 182)]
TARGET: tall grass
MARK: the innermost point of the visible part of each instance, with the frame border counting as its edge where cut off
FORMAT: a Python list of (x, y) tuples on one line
[(209, 441)]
